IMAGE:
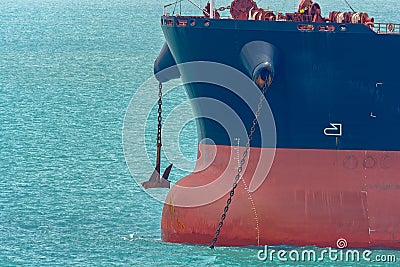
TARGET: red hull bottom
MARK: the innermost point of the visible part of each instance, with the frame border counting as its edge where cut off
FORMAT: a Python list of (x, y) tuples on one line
[(308, 197)]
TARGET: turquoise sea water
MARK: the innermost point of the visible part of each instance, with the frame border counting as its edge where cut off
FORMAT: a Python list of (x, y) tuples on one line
[(68, 71)]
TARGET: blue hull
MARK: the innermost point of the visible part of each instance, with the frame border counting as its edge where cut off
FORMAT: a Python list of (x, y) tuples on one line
[(348, 76)]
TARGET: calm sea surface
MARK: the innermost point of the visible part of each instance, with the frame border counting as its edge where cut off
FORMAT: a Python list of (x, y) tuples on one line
[(68, 72)]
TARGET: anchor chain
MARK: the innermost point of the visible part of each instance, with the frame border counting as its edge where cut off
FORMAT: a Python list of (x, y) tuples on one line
[(158, 142), (159, 115), (241, 163), (156, 180)]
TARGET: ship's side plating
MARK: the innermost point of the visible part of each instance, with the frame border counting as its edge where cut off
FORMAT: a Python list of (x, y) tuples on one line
[(335, 99)]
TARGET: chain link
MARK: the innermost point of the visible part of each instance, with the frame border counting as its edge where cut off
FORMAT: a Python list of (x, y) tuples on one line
[(242, 162), (159, 114)]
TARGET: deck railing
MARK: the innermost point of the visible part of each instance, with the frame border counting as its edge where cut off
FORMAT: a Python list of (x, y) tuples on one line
[(175, 4), (387, 28), (381, 28)]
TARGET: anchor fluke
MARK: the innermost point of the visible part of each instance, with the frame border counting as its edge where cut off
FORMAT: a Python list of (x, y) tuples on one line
[(167, 171), (156, 181)]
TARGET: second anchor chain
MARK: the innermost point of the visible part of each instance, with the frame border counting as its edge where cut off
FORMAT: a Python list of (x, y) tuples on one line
[(241, 163)]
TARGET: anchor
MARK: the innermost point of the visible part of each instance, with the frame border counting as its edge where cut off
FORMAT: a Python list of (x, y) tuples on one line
[(157, 181)]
